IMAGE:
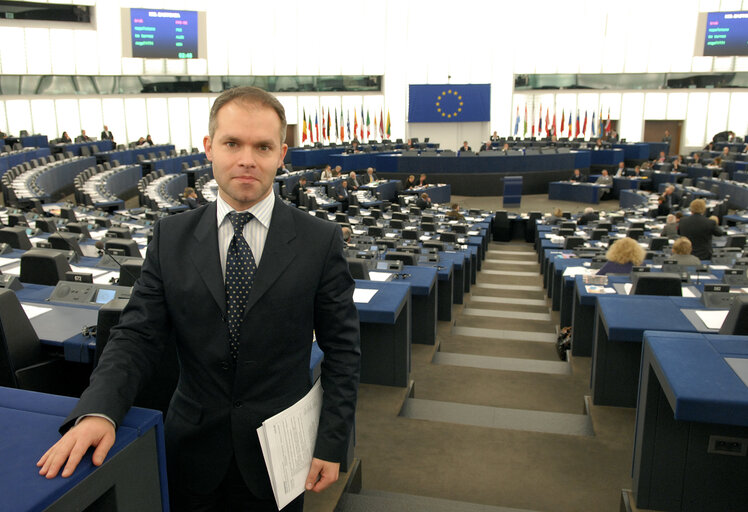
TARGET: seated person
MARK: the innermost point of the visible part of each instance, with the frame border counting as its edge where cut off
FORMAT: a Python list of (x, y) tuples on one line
[(622, 256), (347, 233), (556, 217), (697, 158), (190, 198), (588, 216), (494, 137), (454, 213), (343, 195), (353, 147), (621, 171), (410, 182), (662, 158), (65, 138), (423, 201), (83, 137), (606, 181), (671, 228), (486, 146), (298, 191), (682, 252), (465, 147), (699, 230), (326, 173), (371, 176), (422, 182), (636, 173), (577, 176), (353, 183), (505, 147), (280, 171), (678, 165), (337, 171), (665, 201)]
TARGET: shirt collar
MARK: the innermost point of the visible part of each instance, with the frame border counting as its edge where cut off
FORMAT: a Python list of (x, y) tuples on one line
[(262, 211)]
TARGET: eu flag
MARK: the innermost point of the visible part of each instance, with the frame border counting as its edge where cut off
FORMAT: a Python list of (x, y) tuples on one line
[(449, 103)]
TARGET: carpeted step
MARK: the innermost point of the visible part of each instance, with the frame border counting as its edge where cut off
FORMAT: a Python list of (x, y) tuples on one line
[(508, 303), (507, 322), (495, 347), (380, 501)]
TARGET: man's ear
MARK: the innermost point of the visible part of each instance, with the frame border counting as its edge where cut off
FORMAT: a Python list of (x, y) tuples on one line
[(208, 145)]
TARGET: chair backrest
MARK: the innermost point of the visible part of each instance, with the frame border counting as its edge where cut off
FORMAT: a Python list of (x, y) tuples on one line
[(597, 234), (735, 241), (635, 233), (396, 224), (736, 322), (126, 246), (358, 268), (658, 243), (19, 344), (16, 237), (44, 266), (657, 283), (448, 237), (406, 257), (573, 241)]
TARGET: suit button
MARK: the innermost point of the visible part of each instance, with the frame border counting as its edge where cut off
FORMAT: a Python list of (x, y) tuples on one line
[(224, 365), (237, 404)]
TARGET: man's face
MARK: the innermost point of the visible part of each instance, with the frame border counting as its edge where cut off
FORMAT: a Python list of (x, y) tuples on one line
[(605, 172), (245, 151)]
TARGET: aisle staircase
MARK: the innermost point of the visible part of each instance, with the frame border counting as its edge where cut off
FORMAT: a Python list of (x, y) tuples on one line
[(494, 392)]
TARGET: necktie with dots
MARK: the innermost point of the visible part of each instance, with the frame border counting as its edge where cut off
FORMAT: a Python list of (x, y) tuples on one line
[(240, 272)]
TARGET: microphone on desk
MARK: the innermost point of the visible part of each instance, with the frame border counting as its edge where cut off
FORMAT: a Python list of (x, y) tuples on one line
[(101, 246)]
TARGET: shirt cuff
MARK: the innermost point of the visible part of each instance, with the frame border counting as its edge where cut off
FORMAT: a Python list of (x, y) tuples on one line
[(96, 415)]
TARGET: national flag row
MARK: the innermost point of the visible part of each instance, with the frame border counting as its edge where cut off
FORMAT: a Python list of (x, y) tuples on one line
[(572, 128), (329, 126)]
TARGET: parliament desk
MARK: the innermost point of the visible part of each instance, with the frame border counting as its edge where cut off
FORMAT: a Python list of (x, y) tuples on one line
[(633, 199), (626, 183), (130, 156), (573, 191), (385, 333), (355, 161), (312, 157), (460, 263), (635, 151), (620, 323), (583, 315), (75, 147), (387, 189), (133, 476), (658, 178), (9, 160), (606, 157), (438, 193), (424, 292), (692, 423), (29, 141)]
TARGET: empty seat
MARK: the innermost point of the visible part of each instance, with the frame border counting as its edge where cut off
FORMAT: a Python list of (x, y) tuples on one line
[(657, 283), (406, 257)]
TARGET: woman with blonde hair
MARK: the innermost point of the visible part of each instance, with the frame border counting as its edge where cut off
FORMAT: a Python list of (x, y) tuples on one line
[(622, 256)]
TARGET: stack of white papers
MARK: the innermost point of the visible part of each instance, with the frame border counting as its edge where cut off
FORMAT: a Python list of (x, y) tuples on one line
[(363, 295), (712, 318), (34, 311), (287, 441)]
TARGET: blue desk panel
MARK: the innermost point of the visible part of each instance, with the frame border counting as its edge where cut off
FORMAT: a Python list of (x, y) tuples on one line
[(570, 191), (30, 421)]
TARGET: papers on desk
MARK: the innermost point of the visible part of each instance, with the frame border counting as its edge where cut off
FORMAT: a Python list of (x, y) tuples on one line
[(576, 271), (686, 291), (556, 239), (712, 318), (473, 233), (8, 261), (627, 288), (390, 235), (363, 295), (106, 277), (287, 441), (718, 267), (34, 311), (94, 271), (596, 288), (14, 270), (740, 366), (379, 276), (423, 238)]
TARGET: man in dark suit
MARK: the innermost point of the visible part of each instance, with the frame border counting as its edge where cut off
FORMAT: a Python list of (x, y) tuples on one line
[(239, 364), (577, 176), (423, 201), (344, 195), (106, 134), (371, 176), (298, 190), (353, 183), (699, 230)]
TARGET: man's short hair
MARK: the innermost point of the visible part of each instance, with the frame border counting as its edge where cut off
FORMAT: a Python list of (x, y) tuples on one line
[(188, 191), (698, 206), (247, 95)]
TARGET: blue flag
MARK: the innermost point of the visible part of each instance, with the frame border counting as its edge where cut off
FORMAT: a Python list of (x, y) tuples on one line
[(516, 123), (449, 103)]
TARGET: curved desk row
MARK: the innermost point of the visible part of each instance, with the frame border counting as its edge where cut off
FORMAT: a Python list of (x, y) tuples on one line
[(9, 160), (75, 147), (130, 156)]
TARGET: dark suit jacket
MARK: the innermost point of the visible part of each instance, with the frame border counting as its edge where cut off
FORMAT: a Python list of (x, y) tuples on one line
[(107, 136), (296, 194), (191, 202), (302, 284), (353, 184), (366, 179), (699, 230)]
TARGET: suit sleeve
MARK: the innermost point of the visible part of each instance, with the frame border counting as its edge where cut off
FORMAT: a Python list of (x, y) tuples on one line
[(134, 347), (337, 330)]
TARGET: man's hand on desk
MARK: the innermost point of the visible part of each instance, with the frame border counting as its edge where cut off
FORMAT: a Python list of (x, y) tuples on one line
[(322, 474), (91, 431)]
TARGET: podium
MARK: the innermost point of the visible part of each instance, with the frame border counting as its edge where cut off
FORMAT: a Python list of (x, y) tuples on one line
[(512, 190), (133, 476)]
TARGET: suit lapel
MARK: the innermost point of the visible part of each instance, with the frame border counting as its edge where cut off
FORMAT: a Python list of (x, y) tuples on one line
[(205, 255), (276, 256)]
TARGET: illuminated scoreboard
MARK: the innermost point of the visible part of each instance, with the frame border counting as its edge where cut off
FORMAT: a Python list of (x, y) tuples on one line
[(161, 34)]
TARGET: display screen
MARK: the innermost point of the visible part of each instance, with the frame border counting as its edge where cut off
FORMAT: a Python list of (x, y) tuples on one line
[(726, 34), (104, 295), (160, 34)]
